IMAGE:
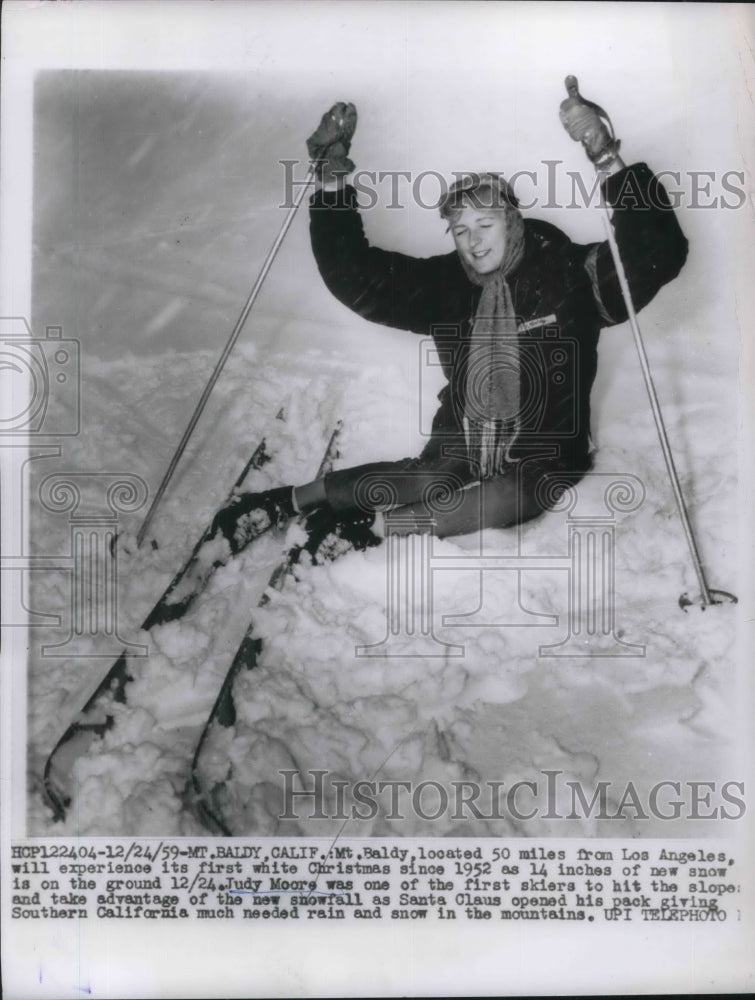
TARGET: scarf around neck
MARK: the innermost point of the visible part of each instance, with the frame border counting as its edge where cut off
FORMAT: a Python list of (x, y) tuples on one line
[(492, 387)]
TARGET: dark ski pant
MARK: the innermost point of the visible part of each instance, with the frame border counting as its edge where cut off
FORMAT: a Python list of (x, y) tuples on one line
[(439, 490)]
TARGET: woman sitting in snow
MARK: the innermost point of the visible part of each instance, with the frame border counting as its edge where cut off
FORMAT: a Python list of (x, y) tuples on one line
[(515, 312)]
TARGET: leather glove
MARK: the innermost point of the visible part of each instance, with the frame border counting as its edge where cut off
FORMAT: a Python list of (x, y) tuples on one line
[(589, 124), (329, 144)]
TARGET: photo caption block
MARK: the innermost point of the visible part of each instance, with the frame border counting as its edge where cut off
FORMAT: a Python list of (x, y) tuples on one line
[(289, 880)]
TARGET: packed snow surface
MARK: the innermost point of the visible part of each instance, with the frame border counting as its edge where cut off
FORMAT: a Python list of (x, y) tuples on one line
[(474, 698)]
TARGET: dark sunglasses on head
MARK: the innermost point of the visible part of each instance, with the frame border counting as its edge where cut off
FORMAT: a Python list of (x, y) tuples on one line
[(469, 190)]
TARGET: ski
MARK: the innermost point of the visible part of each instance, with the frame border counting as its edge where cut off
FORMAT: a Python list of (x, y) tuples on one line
[(96, 717), (206, 802)]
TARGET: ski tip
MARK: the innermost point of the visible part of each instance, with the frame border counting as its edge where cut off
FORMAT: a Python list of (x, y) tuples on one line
[(54, 795)]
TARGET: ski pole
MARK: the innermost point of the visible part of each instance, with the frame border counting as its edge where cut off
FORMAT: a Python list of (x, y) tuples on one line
[(226, 351), (655, 407), (572, 88)]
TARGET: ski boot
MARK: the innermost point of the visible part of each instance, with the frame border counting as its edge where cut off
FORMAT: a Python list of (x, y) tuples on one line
[(250, 515), (330, 534)]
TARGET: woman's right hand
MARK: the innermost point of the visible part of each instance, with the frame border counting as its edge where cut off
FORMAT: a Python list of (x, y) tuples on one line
[(329, 144)]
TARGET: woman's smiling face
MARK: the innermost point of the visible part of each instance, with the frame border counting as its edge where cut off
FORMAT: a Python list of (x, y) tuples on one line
[(480, 238)]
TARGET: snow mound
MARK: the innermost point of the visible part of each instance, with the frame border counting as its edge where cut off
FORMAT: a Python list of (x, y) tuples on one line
[(476, 698)]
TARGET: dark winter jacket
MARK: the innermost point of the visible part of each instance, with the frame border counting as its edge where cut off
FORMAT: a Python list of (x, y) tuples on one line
[(563, 293)]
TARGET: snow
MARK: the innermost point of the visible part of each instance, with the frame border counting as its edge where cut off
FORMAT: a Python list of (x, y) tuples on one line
[(499, 712), (148, 263)]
